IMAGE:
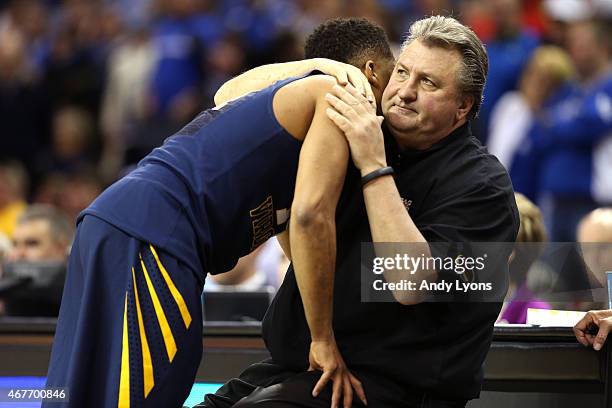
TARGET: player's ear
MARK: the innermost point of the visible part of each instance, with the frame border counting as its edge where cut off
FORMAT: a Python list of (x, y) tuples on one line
[(370, 71)]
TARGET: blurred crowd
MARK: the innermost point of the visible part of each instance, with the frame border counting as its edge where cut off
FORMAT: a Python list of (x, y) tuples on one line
[(88, 87)]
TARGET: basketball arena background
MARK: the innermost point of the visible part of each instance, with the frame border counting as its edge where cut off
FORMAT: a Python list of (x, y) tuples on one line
[(89, 87)]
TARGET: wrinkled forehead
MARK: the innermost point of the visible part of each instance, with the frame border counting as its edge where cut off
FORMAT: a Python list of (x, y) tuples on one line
[(419, 53), (441, 62)]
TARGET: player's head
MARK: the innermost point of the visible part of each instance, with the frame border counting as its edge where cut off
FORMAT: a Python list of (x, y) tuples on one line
[(355, 41)]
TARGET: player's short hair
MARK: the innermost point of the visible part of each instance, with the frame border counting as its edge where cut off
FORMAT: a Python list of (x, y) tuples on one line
[(349, 40)]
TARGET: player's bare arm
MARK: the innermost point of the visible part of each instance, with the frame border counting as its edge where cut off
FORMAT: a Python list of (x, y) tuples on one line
[(265, 75), (300, 109)]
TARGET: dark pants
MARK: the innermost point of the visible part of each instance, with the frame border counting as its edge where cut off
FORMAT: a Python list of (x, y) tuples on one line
[(129, 332), (268, 385)]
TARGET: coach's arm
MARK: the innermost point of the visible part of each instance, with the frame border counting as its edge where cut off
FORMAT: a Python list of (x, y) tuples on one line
[(389, 221)]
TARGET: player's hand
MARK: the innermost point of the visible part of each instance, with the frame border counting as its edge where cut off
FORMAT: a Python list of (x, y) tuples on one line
[(600, 320), (357, 119), (325, 356), (345, 74)]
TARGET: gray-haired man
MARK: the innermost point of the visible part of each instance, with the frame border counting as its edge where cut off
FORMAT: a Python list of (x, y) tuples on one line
[(447, 188), (42, 233)]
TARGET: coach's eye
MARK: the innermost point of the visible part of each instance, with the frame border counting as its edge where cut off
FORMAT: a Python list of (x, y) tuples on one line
[(428, 82)]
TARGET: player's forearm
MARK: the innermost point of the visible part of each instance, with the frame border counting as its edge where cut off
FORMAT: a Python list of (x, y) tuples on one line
[(260, 78), (390, 223), (313, 247)]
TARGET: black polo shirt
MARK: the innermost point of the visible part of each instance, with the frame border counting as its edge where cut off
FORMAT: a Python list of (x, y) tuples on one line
[(458, 192)]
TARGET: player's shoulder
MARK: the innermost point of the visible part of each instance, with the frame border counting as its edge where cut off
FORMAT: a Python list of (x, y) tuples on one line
[(318, 81), (294, 104), (310, 88)]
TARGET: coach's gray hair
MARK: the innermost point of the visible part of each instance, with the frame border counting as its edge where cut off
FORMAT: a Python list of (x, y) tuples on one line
[(446, 32)]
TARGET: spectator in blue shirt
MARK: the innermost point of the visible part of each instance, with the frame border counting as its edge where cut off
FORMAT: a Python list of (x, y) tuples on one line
[(508, 52), (567, 138)]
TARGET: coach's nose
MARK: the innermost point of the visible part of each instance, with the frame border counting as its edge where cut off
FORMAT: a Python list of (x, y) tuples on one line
[(408, 91)]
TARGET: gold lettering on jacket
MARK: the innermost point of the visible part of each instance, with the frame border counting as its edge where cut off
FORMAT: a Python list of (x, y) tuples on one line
[(262, 221)]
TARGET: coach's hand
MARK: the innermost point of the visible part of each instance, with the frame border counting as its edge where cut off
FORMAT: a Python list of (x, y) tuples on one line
[(325, 356), (357, 119), (602, 320), (345, 74)]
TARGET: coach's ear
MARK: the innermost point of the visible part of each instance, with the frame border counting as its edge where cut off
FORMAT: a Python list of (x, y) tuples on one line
[(370, 71)]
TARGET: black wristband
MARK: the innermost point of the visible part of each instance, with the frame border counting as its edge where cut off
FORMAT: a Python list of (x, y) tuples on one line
[(383, 171)]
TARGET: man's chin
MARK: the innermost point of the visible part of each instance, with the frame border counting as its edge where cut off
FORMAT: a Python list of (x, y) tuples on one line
[(399, 121)]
